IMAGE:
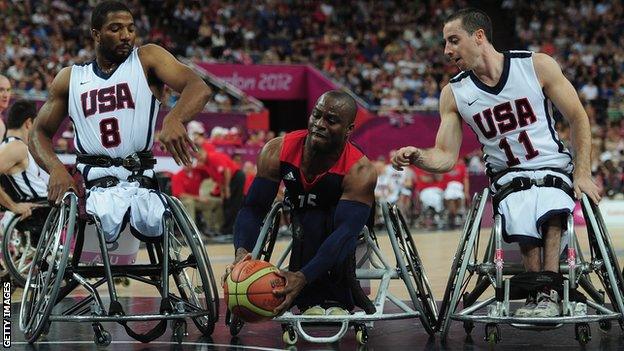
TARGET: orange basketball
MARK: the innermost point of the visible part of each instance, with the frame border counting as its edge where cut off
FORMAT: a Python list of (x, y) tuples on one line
[(249, 290)]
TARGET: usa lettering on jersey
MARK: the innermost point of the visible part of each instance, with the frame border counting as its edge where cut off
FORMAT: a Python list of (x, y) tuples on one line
[(107, 99)]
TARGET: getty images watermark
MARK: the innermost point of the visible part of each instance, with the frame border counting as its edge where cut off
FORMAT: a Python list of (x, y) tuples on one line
[(6, 314)]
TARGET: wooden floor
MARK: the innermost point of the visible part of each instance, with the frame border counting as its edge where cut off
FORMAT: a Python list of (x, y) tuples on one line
[(436, 250)]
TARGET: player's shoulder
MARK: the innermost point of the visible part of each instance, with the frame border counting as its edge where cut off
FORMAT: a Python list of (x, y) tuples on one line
[(363, 170), (546, 68), (542, 60), (272, 148), (150, 53)]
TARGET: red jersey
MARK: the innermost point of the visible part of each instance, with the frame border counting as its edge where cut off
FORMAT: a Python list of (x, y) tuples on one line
[(216, 163), (185, 183), (426, 179), (325, 189), (457, 174)]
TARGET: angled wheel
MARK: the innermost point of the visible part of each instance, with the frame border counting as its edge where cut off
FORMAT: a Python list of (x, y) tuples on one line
[(268, 233), (602, 249), (48, 268), (460, 261), (191, 269), (17, 251), (413, 265)]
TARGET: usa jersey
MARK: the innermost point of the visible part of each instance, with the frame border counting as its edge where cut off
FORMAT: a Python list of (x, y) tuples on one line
[(113, 115), (324, 191), (28, 185), (513, 120)]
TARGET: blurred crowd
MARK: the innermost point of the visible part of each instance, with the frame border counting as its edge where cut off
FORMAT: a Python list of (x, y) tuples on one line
[(388, 52)]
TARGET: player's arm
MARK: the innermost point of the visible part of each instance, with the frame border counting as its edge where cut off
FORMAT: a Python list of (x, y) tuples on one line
[(561, 92), (258, 200), (194, 95), (443, 156), (46, 124), (11, 155), (352, 212)]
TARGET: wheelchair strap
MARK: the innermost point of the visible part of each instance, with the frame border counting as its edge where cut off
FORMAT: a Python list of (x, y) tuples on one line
[(154, 333), (525, 183), (136, 162), (110, 181)]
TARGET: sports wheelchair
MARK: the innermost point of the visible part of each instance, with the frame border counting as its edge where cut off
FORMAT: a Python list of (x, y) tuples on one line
[(494, 271), (178, 268), (19, 240), (371, 264)]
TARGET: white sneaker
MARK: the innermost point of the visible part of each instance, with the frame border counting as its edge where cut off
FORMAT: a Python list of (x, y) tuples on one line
[(527, 309), (547, 305)]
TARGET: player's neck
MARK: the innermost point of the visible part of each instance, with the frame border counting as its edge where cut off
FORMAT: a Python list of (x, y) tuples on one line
[(316, 162), (18, 133), (490, 69), (105, 65)]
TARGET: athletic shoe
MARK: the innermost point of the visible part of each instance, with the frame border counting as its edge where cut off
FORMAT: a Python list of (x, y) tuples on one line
[(527, 309), (314, 311), (547, 305), (336, 311)]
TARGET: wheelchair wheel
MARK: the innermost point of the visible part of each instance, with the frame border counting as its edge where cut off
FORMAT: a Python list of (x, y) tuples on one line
[(268, 234), (47, 270), (602, 249), (414, 266), (17, 252), (462, 256), (191, 269), (405, 271)]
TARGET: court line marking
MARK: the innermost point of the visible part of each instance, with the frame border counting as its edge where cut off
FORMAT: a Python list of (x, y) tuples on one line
[(150, 343)]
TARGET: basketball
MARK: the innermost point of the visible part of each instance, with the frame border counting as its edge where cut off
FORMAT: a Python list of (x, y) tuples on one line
[(248, 290)]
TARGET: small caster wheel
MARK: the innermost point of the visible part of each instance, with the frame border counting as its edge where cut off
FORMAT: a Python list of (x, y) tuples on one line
[(288, 335), (101, 337), (604, 326), (361, 334), (492, 333), (582, 333), (236, 325), (468, 327), (179, 330)]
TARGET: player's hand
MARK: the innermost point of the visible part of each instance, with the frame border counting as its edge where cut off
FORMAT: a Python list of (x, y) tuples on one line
[(174, 139), (585, 184), (404, 157), (60, 183), (241, 256), (295, 281), (24, 209)]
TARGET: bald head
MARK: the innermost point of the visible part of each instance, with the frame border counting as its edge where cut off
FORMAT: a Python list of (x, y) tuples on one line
[(342, 101), (5, 92)]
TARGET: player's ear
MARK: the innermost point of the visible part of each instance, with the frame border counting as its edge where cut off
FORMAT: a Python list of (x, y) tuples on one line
[(350, 129), (480, 35), (95, 34)]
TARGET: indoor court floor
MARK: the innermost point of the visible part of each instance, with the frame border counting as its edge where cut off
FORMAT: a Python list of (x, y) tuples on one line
[(436, 249)]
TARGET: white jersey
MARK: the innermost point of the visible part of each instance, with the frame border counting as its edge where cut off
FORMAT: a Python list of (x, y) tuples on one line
[(112, 115), (30, 184), (512, 119)]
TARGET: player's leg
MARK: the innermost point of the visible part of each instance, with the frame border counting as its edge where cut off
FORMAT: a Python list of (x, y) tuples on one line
[(548, 298)]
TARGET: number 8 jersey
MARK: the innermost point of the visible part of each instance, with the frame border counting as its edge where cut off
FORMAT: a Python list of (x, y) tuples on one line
[(512, 119), (113, 115)]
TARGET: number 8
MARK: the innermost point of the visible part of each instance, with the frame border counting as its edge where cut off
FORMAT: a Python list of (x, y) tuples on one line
[(109, 132)]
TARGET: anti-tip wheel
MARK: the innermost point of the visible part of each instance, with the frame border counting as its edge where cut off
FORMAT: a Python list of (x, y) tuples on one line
[(289, 336), (102, 338), (361, 336)]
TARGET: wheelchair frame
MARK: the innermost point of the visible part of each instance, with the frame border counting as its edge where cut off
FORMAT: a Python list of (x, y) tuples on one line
[(408, 268), (53, 265), (493, 268)]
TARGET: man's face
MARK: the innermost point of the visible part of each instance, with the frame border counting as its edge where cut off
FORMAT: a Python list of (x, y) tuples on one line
[(5, 93), (460, 46), (329, 125), (116, 37)]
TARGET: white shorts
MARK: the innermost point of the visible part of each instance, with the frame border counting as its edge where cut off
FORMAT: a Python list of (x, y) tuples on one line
[(525, 212), (432, 197), (110, 205), (454, 191)]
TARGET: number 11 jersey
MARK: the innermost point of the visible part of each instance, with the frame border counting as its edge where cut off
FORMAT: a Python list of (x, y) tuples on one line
[(513, 119)]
